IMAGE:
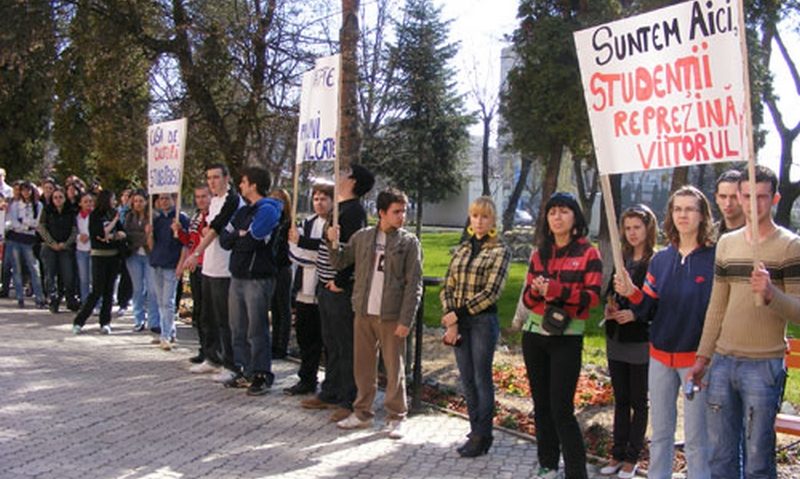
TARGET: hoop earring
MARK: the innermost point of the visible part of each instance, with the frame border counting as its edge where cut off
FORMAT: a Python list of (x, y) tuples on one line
[(492, 232), (470, 231)]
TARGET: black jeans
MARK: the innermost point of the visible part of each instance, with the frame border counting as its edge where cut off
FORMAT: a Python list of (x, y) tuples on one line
[(553, 364), (281, 309), (59, 265), (196, 284), (309, 338), (125, 289), (336, 319), (104, 273), (630, 409), (218, 342)]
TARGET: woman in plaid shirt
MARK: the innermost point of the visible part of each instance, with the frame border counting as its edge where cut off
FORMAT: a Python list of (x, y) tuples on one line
[(474, 281), (566, 273)]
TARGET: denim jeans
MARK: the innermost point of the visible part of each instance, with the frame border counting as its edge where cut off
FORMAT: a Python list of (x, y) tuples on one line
[(664, 385), (23, 255), (743, 398), (151, 298), (162, 283), (58, 264), (84, 260), (554, 364), (474, 359), (137, 270), (248, 305)]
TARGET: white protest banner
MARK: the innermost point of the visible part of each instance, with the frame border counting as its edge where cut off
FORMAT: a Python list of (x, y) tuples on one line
[(166, 145), (665, 88), (319, 112)]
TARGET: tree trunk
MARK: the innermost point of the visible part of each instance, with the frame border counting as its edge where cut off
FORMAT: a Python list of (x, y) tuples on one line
[(418, 229), (586, 197), (680, 177), (789, 190), (487, 121), (513, 200), (350, 142), (550, 181)]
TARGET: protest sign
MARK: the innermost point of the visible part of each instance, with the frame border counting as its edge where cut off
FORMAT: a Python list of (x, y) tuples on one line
[(665, 88), (166, 146)]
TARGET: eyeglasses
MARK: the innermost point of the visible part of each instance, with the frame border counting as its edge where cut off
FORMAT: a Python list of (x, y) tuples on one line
[(688, 209)]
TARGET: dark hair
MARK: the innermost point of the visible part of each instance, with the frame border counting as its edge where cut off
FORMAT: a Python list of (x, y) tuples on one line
[(60, 189), (49, 179), (763, 175), (34, 191), (705, 232), (646, 215), (260, 177), (389, 196), (365, 180), (103, 202), (218, 166), (728, 176), (580, 229), (324, 188)]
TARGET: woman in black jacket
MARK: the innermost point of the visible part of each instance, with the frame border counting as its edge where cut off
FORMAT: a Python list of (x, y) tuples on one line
[(106, 236), (627, 345), (58, 231)]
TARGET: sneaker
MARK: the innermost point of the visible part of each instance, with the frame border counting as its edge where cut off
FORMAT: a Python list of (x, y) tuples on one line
[(155, 330), (224, 375), (261, 384), (611, 468), (316, 403), (396, 428), (206, 367), (105, 329), (197, 359), (121, 312), (340, 414), (238, 381), (54, 305), (20, 303), (353, 422), (77, 329), (623, 474), (138, 328), (165, 345), (300, 389), (41, 305), (545, 473)]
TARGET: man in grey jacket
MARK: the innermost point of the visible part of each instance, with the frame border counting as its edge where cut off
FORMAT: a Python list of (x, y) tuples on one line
[(386, 295)]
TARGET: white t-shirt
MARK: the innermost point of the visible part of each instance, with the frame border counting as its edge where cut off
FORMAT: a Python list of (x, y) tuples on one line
[(83, 228), (216, 259), (376, 288)]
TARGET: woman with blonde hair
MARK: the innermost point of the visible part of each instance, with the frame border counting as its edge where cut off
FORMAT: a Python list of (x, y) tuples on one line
[(474, 281), (627, 345), (676, 293)]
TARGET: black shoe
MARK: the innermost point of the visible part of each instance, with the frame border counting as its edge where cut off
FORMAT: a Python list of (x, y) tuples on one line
[(54, 305), (197, 359), (239, 381), (155, 330), (476, 446), (138, 328), (261, 384), (73, 305), (300, 389), (41, 305), (21, 303)]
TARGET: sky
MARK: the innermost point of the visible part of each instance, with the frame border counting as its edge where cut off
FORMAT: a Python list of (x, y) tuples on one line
[(480, 26)]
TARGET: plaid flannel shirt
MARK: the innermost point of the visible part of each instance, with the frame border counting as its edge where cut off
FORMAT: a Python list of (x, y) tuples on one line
[(475, 285)]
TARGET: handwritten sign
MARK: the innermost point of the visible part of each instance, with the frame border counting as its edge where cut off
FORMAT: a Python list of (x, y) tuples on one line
[(319, 112), (665, 88), (166, 144)]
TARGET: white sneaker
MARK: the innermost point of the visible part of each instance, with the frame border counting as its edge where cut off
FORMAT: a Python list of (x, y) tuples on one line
[(105, 329), (223, 376), (396, 428), (610, 469), (545, 473), (628, 475), (205, 367), (353, 422)]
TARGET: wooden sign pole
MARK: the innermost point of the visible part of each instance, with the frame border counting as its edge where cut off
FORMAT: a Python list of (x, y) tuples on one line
[(613, 227)]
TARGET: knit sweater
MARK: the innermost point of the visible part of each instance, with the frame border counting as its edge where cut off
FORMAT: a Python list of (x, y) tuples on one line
[(734, 325)]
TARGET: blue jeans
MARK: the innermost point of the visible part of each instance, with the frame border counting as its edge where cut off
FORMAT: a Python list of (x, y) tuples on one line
[(474, 358), (23, 255), (743, 398), (664, 385), (137, 270), (162, 283), (84, 260), (248, 305)]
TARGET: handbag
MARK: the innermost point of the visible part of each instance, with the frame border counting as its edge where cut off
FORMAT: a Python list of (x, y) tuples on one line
[(555, 320)]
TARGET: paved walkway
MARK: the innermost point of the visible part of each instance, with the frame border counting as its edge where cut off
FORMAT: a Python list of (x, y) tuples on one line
[(93, 406)]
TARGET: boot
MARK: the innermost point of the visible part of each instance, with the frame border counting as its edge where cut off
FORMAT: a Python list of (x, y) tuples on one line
[(54, 302), (476, 446)]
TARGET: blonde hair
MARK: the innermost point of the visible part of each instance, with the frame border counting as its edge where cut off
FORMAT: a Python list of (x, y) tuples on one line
[(483, 205)]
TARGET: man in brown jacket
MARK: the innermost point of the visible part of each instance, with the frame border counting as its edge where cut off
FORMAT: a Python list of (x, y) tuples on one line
[(386, 295)]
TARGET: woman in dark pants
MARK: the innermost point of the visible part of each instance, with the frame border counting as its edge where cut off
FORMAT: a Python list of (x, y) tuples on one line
[(105, 234), (58, 231), (627, 345), (475, 278), (281, 309), (563, 283)]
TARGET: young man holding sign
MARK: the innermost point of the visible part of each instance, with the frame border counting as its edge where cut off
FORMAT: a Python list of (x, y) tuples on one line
[(744, 343)]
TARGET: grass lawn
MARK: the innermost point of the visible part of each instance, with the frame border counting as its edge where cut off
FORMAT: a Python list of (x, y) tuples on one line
[(437, 246)]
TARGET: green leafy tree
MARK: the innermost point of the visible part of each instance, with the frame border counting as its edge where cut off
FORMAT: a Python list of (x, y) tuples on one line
[(422, 144), (27, 55)]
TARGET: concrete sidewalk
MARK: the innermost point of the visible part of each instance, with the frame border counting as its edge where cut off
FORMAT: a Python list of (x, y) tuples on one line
[(117, 407)]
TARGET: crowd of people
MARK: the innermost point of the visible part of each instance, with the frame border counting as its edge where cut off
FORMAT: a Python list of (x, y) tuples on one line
[(681, 319)]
